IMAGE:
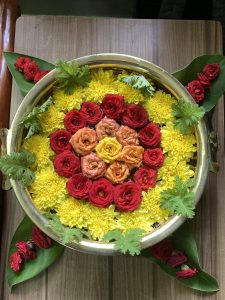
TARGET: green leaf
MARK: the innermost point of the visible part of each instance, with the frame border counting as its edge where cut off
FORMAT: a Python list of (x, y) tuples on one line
[(179, 199), (16, 166), (69, 75), (31, 120), (139, 82), (130, 242), (31, 268), (184, 241), (189, 73), (22, 83), (187, 115)]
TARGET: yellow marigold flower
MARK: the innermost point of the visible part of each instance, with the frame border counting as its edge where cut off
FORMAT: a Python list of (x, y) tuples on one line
[(176, 144), (64, 102), (52, 119), (108, 149), (48, 189), (39, 145), (159, 107), (171, 168), (131, 95)]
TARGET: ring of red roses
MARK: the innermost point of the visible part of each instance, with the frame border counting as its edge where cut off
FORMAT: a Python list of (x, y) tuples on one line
[(127, 124)]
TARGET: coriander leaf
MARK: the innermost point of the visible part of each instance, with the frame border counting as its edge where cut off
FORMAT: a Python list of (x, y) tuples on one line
[(31, 121), (187, 114), (139, 82), (179, 199), (16, 166), (69, 75), (130, 242)]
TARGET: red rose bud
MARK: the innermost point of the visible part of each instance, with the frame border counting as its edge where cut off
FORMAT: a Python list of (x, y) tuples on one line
[(127, 196), (25, 250), (40, 75), (135, 116), (145, 178), (59, 141), (40, 239), (74, 120), (163, 250), (92, 112), (78, 186), (101, 193), (15, 262), (30, 70), (186, 272), (113, 106), (211, 71), (150, 135), (153, 158), (196, 90), (177, 259), (21, 62), (204, 80), (66, 164)]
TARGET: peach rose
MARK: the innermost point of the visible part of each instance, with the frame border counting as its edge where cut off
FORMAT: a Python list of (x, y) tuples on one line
[(127, 136), (92, 166), (106, 128), (84, 141), (117, 172), (131, 155)]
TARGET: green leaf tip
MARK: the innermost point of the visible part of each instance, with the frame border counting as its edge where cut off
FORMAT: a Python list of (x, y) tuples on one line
[(139, 82)]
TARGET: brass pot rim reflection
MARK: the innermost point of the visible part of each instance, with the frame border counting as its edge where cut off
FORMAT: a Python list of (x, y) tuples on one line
[(110, 60)]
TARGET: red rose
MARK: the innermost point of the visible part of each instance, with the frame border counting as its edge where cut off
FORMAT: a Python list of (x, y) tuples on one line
[(66, 164), (25, 250), (40, 239), (113, 106), (78, 186), (15, 261), (135, 116), (153, 158), (59, 141), (74, 120), (92, 112), (101, 193), (21, 62), (127, 196), (196, 90), (186, 272), (211, 71), (204, 80), (163, 250), (40, 75), (177, 259), (145, 178), (150, 135), (30, 70)]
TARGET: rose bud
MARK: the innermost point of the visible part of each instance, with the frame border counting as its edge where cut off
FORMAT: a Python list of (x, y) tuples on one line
[(135, 116), (150, 135), (177, 259), (40, 75), (92, 112), (106, 128), (186, 272), (84, 141), (59, 141), (145, 178), (40, 239), (204, 80), (15, 262), (211, 71), (25, 250), (153, 158), (66, 164), (101, 193), (196, 90), (30, 70), (92, 166), (74, 120), (21, 62), (127, 196), (113, 106), (78, 186), (163, 250)]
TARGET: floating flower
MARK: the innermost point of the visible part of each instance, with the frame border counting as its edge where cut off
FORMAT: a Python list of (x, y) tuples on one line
[(127, 136), (117, 172), (74, 120), (92, 166), (150, 135), (59, 141), (66, 163), (25, 250), (84, 141), (145, 178), (64, 102), (131, 155), (78, 186), (101, 193), (113, 106), (106, 128), (15, 262), (40, 239), (108, 149), (135, 116), (51, 120), (92, 112), (153, 158), (211, 71)]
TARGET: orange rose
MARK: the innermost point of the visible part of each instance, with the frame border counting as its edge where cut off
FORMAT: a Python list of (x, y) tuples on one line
[(84, 141), (117, 172), (132, 156), (127, 136)]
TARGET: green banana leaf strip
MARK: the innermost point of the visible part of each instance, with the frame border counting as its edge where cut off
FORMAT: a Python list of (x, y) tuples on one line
[(183, 240), (22, 83), (189, 73), (31, 268)]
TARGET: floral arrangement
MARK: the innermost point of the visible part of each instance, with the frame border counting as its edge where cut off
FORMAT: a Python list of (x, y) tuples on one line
[(118, 151)]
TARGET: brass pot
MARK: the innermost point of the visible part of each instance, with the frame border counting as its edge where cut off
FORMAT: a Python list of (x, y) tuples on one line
[(119, 61)]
